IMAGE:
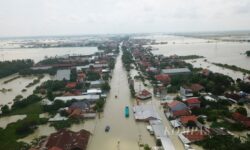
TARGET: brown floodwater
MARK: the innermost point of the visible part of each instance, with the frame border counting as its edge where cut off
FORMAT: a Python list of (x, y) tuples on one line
[(17, 86)]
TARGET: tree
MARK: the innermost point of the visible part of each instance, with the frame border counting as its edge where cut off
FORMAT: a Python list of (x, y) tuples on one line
[(105, 86), (5, 109), (146, 147), (191, 124), (50, 95), (242, 111)]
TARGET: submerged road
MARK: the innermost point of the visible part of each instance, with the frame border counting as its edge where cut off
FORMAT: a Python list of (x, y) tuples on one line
[(124, 132)]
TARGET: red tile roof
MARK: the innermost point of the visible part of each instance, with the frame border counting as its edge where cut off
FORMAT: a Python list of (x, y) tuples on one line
[(181, 113), (71, 85), (194, 87), (185, 119), (241, 118), (193, 100), (195, 135), (67, 140), (174, 103), (144, 93), (163, 78)]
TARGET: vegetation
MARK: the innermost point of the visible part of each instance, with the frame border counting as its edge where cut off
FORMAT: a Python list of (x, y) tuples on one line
[(53, 85), (99, 105), (244, 87), (35, 81), (57, 104), (10, 67), (229, 126), (92, 76), (5, 109), (190, 57), (226, 142), (64, 123), (17, 130), (232, 67), (26, 101), (12, 79), (248, 53), (105, 87), (127, 59), (28, 71)]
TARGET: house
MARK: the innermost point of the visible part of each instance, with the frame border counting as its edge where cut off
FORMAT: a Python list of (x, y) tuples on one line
[(84, 106), (145, 113), (71, 85), (94, 91), (163, 78), (185, 119), (58, 117), (68, 140), (188, 91), (192, 136), (96, 84), (177, 108), (242, 119), (63, 74), (176, 71), (193, 102), (152, 70), (160, 133), (144, 94), (91, 98)]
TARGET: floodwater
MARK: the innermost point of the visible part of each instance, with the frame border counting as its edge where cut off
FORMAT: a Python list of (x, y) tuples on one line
[(125, 130), (38, 54), (231, 53), (173, 134), (4, 121), (42, 130), (17, 86)]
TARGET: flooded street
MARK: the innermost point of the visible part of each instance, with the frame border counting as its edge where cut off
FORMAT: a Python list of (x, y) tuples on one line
[(38, 54), (125, 130)]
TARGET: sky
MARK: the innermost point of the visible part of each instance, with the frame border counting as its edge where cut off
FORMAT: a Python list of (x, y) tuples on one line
[(76, 17)]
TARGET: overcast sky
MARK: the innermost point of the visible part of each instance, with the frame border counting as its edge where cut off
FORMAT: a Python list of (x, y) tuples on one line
[(63, 17)]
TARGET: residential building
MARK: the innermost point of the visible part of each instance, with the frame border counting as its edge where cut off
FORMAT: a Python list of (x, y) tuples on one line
[(176, 71), (68, 140)]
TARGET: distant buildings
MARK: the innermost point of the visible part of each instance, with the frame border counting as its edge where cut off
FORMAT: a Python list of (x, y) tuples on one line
[(176, 71), (63, 74)]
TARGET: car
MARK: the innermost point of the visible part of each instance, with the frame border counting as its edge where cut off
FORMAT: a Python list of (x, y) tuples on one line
[(107, 128)]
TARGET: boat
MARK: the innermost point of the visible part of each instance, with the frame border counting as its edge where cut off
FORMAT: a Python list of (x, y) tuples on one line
[(126, 111)]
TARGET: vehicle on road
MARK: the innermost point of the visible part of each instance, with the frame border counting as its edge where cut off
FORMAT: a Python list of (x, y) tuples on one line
[(126, 111)]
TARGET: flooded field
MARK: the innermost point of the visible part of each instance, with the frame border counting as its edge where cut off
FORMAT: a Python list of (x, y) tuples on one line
[(38, 54), (42, 130), (231, 53), (17, 86), (4, 121)]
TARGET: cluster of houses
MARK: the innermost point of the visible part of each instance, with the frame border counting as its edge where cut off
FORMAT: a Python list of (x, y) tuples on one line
[(179, 112), (82, 100), (65, 140)]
